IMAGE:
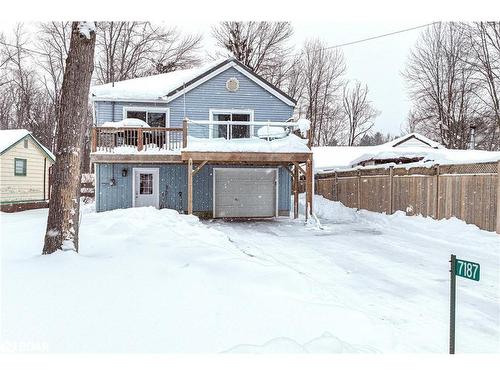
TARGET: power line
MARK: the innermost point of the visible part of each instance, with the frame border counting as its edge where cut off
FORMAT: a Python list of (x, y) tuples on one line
[(370, 38)]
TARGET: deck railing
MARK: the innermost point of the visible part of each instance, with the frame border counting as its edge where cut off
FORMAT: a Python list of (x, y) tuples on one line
[(130, 139), (126, 139)]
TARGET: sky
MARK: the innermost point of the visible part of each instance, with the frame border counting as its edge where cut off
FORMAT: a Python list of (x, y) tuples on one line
[(378, 63)]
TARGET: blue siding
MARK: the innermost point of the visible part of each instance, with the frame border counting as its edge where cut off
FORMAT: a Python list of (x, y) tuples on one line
[(209, 95), (173, 187)]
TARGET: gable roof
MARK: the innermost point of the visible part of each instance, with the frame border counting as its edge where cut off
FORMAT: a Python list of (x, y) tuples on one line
[(168, 86), (9, 138), (419, 137)]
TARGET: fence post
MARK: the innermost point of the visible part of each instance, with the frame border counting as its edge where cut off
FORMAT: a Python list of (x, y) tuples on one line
[(498, 197), (391, 190), (359, 189), (437, 194), (336, 187)]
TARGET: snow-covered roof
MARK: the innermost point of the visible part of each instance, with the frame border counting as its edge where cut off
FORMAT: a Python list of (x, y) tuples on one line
[(327, 159), (290, 143), (167, 86), (413, 139), (10, 137)]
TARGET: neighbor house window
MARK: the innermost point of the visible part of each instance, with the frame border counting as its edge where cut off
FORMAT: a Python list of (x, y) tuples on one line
[(154, 117), (26, 143), (20, 167), (230, 131)]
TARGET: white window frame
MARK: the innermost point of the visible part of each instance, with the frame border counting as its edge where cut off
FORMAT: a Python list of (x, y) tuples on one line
[(165, 110), (216, 111)]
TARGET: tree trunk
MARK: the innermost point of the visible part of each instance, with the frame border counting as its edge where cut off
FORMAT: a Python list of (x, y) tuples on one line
[(64, 207)]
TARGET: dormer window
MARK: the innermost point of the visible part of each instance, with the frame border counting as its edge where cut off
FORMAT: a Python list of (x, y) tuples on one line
[(153, 116)]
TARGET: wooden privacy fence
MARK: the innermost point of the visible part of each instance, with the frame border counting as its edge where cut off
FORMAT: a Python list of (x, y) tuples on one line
[(466, 191)]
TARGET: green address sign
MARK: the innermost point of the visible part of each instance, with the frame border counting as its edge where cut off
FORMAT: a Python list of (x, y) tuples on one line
[(469, 270)]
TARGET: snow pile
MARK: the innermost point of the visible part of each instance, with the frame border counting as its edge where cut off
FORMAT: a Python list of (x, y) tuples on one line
[(132, 149), (85, 28), (304, 126), (127, 122), (155, 281), (272, 132), (291, 143), (152, 87)]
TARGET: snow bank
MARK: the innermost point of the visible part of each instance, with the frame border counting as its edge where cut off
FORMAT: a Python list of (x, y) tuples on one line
[(291, 143), (304, 126)]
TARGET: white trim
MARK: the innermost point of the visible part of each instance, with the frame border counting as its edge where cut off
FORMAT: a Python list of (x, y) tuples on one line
[(147, 109), (156, 172), (128, 100), (213, 111), (276, 177), (223, 68)]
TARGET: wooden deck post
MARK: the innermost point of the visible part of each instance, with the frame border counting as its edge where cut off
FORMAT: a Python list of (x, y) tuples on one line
[(184, 132), (94, 139), (336, 187), (359, 190), (295, 192), (309, 186), (498, 198), (190, 186), (139, 139), (436, 202), (391, 190)]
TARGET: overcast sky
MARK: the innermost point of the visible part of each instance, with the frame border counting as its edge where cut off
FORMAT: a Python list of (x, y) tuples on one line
[(378, 62)]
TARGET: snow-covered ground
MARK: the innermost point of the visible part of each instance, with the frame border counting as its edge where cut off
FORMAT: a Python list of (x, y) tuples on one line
[(150, 280)]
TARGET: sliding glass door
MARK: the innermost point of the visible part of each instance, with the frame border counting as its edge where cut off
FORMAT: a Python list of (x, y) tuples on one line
[(230, 131)]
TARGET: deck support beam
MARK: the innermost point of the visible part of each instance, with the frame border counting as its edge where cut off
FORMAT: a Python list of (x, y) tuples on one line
[(309, 187), (190, 186), (198, 168), (295, 192)]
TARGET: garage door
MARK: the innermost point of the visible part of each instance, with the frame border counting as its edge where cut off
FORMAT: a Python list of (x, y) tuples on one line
[(245, 192)]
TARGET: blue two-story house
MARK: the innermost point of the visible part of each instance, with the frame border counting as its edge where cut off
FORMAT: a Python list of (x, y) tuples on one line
[(217, 141)]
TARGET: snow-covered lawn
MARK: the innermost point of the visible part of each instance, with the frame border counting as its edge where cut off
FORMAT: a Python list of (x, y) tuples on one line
[(151, 280)]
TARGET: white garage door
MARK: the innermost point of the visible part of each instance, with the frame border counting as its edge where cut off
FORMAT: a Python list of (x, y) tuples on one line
[(245, 192)]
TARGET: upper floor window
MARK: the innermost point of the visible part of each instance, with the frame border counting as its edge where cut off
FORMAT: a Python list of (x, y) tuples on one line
[(20, 167), (26, 143), (230, 131), (153, 116)]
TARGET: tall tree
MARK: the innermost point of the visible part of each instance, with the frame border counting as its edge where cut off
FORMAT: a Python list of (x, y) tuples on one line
[(64, 207), (262, 46), (135, 49), (441, 85), (360, 113), (322, 71)]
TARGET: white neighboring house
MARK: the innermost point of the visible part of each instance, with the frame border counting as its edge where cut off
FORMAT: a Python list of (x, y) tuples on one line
[(24, 171)]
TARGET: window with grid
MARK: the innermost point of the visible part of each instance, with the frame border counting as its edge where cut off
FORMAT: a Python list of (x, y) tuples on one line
[(20, 167), (156, 118), (146, 184)]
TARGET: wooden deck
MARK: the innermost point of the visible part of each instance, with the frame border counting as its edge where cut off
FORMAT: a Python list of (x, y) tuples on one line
[(165, 145)]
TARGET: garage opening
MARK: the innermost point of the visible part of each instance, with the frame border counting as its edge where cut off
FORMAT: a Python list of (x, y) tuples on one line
[(245, 192)]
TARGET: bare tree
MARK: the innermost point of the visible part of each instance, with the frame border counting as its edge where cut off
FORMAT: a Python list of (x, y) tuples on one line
[(135, 49), (64, 207), (441, 85), (262, 46), (359, 112), (322, 72), (484, 57)]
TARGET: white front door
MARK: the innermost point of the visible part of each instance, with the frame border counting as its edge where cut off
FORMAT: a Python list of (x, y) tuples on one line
[(146, 187)]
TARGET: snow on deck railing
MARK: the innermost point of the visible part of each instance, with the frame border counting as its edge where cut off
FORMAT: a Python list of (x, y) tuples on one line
[(130, 139)]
